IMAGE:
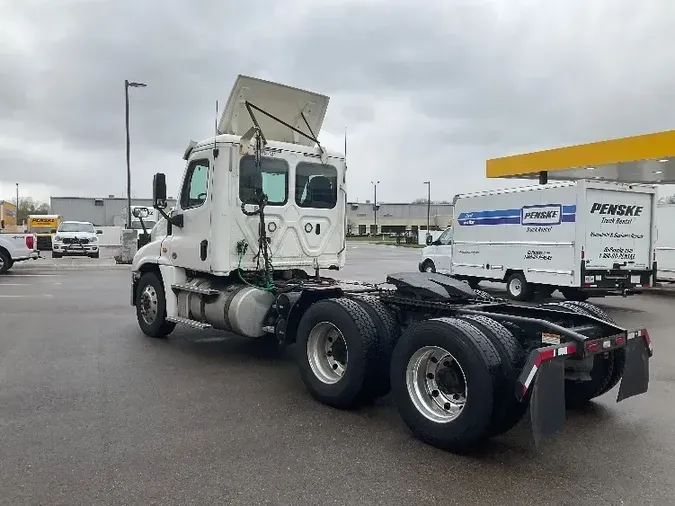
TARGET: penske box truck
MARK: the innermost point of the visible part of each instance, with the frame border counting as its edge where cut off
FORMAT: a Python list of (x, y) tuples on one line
[(583, 238)]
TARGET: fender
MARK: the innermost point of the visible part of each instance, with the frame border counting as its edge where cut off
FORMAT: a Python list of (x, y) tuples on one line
[(292, 306)]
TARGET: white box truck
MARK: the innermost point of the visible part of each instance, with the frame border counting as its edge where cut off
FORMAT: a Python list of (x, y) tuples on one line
[(665, 242), (584, 238)]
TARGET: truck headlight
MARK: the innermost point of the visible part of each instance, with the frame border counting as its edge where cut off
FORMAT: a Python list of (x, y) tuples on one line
[(57, 238)]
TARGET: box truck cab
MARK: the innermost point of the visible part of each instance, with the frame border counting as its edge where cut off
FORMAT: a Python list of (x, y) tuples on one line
[(436, 256), (584, 238)]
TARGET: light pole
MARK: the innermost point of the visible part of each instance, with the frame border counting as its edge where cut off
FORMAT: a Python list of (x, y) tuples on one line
[(128, 85), (375, 183), (16, 215), (428, 183)]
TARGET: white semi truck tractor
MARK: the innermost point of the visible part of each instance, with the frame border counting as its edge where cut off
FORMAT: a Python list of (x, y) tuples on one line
[(261, 218)]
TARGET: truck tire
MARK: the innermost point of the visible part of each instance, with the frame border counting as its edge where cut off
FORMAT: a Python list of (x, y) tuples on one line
[(508, 410), (434, 365), (338, 353), (95, 255), (574, 294), (388, 332), (151, 306), (5, 262), (518, 288), (607, 369), (428, 266), (56, 254)]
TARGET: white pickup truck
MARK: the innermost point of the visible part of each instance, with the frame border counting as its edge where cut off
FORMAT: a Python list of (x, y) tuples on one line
[(17, 248)]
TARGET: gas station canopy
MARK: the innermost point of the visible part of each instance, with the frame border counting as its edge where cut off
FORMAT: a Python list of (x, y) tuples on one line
[(646, 159)]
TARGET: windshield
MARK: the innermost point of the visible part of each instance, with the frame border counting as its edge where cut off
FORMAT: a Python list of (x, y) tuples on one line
[(77, 227), (446, 237)]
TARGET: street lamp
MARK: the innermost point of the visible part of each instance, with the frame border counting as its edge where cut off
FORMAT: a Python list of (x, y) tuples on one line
[(127, 85), (375, 183), (428, 183), (16, 212)]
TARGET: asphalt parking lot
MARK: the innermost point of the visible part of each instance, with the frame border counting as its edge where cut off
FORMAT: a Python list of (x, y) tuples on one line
[(92, 412)]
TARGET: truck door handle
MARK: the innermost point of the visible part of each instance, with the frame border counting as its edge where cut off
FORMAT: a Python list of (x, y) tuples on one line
[(203, 249)]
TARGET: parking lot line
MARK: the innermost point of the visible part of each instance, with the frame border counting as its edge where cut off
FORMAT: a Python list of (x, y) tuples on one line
[(45, 295)]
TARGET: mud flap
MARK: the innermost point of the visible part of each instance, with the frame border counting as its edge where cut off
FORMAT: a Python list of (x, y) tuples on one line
[(547, 404), (635, 380)]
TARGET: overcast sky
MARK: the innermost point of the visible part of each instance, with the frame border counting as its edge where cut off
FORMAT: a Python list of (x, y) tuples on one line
[(427, 90)]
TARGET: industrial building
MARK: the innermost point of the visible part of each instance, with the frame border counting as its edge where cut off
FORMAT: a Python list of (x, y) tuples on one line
[(363, 218), (102, 212)]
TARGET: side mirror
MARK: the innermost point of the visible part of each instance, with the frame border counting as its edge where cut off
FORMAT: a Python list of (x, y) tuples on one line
[(99, 231), (159, 191), (52, 231), (429, 240), (141, 212)]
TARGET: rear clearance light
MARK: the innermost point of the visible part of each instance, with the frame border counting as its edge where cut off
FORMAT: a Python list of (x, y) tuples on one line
[(30, 242), (605, 344)]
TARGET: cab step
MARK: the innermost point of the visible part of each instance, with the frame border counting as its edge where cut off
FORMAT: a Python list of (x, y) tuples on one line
[(195, 289), (187, 321)]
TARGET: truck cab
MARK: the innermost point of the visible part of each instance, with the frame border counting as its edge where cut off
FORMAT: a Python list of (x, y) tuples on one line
[(436, 257), (261, 197)]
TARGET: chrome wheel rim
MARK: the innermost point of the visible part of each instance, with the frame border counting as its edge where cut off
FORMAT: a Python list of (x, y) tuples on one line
[(436, 384), (327, 352), (148, 304)]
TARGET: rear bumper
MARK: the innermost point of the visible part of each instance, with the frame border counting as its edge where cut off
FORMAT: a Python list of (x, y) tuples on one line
[(617, 281), (543, 377)]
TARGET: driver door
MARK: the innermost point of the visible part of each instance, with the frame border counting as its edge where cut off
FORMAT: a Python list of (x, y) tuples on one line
[(443, 252), (189, 244)]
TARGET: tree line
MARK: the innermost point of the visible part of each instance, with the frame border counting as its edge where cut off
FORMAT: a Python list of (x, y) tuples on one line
[(28, 206)]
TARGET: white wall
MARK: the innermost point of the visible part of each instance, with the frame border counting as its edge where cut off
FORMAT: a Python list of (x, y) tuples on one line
[(112, 236)]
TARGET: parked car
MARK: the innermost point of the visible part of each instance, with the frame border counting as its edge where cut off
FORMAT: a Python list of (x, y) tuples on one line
[(76, 238)]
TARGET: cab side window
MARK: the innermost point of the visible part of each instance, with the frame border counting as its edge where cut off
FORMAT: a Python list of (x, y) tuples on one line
[(446, 237), (196, 185)]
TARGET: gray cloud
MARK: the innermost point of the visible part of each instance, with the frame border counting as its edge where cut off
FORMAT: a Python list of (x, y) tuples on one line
[(426, 92)]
